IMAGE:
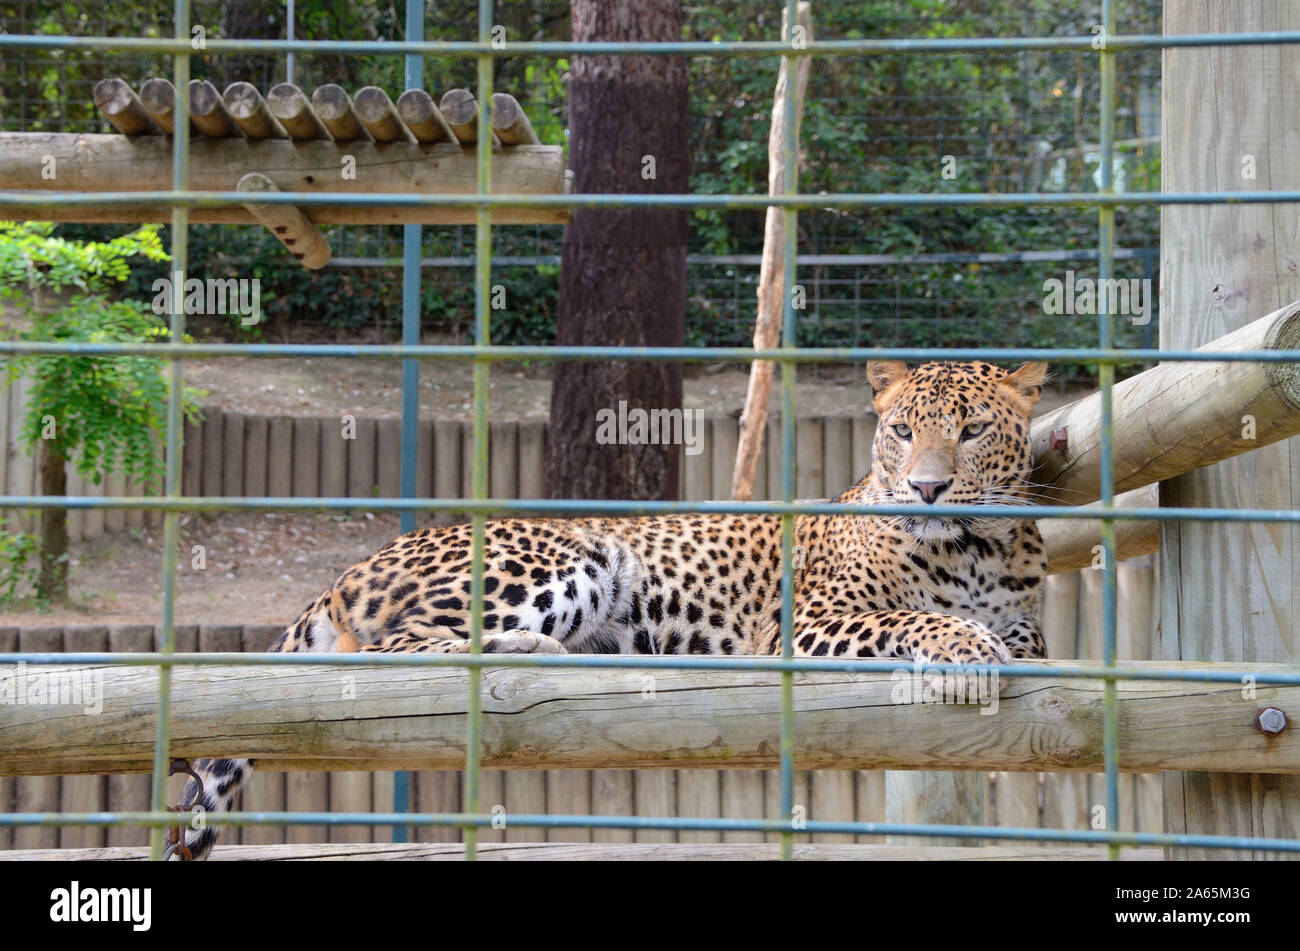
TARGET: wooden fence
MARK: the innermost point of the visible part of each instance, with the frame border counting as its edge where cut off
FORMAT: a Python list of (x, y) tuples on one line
[(235, 454)]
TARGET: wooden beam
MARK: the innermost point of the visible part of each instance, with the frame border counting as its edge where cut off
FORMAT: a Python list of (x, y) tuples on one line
[(290, 226), (1070, 542), (158, 97), (334, 108), (247, 107), (1177, 417), (291, 108), (366, 718), (378, 114), (118, 103), (113, 162), (591, 852), (422, 116)]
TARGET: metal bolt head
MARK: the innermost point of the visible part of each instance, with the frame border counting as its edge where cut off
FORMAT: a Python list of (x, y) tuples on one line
[(1271, 720)]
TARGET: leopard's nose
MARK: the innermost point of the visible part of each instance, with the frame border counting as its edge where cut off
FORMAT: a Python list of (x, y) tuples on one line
[(929, 489)]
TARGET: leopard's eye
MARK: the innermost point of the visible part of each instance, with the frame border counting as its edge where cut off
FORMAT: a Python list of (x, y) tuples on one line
[(903, 430), (973, 430)]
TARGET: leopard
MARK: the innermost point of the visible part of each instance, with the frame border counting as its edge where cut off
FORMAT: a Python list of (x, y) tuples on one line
[(916, 587)]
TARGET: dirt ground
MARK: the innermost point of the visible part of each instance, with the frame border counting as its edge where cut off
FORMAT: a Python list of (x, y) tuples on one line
[(267, 567)]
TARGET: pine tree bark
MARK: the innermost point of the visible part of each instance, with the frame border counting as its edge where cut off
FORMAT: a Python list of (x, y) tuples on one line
[(623, 277)]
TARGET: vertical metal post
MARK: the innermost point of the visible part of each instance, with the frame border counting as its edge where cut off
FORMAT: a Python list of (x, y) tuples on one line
[(789, 225), (1106, 377), (411, 240), (175, 406), (478, 522)]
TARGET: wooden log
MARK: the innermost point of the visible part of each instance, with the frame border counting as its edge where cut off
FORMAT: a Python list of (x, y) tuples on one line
[(214, 425), (743, 797), (306, 457), (256, 433), (1070, 543), (771, 279), (83, 793), (1178, 417), (333, 107), (656, 795), (291, 108), (599, 852), (510, 122), (158, 96), (288, 223), (1229, 591), (422, 116), (378, 114), (118, 103), (232, 439), (594, 719), (94, 163), (388, 458), (279, 462), (460, 109), (361, 460), (247, 107), (208, 112), (699, 796), (333, 459), (446, 465), (192, 459)]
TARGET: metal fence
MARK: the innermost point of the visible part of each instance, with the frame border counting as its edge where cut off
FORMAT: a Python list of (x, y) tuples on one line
[(788, 356)]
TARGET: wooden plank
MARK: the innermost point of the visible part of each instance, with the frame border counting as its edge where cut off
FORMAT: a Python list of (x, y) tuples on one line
[(388, 458), (699, 796), (213, 451), (114, 484), (837, 454), (351, 791), (279, 457), (232, 445), (83, 793), (532, 459), (1229, 591), (833, 795), (192, 459), (361, 460), (491, 793), (77, 517), (600, 852), (333, 459), (864, 431), (743, 796), (113, 163), (810, 477), (257, 433), (437, 791), (383, 785), (37, 793), (772, 799), (5, 389), (612, 794), (568, 792), (306, 457), (656, 795), (92, 522), (573, 719), (446, 465), (424, 461), (870, 801)]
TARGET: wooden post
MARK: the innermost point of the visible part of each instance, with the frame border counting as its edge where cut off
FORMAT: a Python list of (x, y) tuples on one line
[(510, 122), (1228, 591), (334, 108), (291, 108), (771, 277), (460, 109), (420, 113), (378, 114), (208, 111), (158, 97), (247, 107)]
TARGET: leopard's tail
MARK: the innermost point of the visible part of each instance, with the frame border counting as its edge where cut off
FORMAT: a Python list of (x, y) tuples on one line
[(223, 779)]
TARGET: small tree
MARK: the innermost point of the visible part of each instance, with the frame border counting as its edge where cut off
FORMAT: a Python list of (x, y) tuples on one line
[(103, 414)]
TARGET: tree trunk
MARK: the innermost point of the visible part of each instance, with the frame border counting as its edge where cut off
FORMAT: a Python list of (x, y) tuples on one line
[(623, 279), (52, 581)]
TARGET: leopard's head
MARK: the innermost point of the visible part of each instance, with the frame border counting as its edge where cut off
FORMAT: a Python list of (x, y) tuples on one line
[(952, 434)]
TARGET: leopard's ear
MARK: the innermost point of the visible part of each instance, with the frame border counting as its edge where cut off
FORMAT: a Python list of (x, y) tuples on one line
[(1027, 381), (884, 376)]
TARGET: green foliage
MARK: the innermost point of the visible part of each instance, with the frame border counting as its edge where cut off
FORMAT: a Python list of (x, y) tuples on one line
[(103, 413), (17, 565)]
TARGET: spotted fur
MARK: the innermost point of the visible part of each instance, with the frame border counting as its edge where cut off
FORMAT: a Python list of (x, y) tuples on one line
[(943, 591)]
